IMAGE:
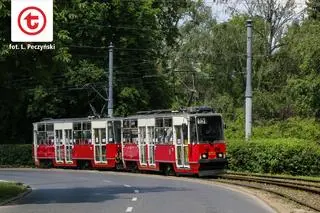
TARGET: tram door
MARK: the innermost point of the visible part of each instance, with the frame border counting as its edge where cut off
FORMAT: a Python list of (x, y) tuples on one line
[(181, 142), (151, 145), (59, 146), (142, 145), (100, 148), (68, 145)]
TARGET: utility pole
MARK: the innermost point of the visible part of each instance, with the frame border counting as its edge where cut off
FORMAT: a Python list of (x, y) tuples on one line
[(248, 94), (110, 96)]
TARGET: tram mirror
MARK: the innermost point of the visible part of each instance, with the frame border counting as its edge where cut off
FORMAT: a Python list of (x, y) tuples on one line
[(225, 126)]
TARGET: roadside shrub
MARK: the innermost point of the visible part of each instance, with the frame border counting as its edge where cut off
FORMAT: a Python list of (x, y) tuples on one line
[(16, 155), (299, 128), (275, 156)]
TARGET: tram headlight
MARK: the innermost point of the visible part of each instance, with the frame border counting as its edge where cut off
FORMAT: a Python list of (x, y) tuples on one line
[(204, 156), (220, 155)]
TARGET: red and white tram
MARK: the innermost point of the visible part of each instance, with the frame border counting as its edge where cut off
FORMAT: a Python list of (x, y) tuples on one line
[(174, 142)]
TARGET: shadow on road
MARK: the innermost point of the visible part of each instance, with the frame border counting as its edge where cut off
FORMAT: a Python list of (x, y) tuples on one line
[(87, 195)]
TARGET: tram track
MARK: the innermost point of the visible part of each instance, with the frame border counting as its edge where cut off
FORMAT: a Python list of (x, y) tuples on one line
[(303, 192), (306, 179)]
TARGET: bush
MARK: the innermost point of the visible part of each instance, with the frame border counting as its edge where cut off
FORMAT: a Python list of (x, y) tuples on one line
[(299, 128), (275, 156), (16, 155)]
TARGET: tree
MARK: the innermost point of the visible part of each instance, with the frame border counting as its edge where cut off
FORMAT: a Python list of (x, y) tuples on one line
[(277, 15), (304, 84), (58, 83), (313, 8), (208, 64)]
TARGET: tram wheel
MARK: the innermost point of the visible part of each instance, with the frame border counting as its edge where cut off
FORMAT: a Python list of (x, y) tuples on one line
[(83, 164), (46, 164), (135, 168), (169, 171)]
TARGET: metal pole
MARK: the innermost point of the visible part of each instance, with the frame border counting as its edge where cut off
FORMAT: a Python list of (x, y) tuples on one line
[(110, 96), (248, 94)]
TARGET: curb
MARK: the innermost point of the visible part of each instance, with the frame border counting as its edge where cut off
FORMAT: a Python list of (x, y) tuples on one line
[(20, 196)]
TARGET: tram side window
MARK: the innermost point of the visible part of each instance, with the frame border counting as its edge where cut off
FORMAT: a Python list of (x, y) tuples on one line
[(134, 135), (163, 131), (50, 137), (45, 134), (87, 137), (110, 132), (130, 131), (178, 134), (126, 124), (193, 131), (77, 129), (41, 134), (159, 122), (76, 137), (185, 131), (126, 136), (117, 131), (151, 134), (182, 134), (77, 126), (41, 128), (86, 126), (82, 133), (169, 136), (50, 134), (168, 122)]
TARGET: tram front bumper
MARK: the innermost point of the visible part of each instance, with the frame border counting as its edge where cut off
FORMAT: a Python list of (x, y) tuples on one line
[(211, 167)]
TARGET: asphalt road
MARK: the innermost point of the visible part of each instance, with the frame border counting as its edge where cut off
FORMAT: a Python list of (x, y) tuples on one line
[(58, 191)]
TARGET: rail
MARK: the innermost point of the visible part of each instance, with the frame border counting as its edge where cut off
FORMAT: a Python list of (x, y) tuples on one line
[(246, 180)]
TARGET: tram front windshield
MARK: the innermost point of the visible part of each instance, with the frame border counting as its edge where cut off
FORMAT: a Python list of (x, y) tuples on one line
[(210, 129)]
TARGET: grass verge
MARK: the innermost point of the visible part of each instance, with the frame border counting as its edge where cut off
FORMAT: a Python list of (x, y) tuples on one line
[(10, 189)]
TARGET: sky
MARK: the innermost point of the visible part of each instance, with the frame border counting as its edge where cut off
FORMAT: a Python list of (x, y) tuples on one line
[(221, 12)]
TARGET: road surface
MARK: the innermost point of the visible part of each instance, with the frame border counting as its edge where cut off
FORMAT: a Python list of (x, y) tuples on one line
[(69, 191)]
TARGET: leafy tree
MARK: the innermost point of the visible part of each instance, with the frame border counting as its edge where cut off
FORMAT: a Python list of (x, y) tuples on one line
[(277, 15), (209, 61), (313, 7), (59, 83)]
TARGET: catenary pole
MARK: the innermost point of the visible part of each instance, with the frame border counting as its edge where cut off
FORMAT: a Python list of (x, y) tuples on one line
[(110, 96), (248, 94)]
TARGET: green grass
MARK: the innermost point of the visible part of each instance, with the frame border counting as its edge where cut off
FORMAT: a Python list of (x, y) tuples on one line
[(10, 189)]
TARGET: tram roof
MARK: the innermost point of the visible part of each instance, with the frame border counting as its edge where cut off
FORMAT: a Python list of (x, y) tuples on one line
[(183, 112), (71, 120), (192, 111), (167, 115)]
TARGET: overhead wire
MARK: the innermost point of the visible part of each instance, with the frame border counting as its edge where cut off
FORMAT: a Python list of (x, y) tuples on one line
[(116, 68)]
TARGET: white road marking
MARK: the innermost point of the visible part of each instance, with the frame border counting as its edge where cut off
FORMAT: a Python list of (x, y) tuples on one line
[(107, 181), (129, 209), (126, 185), (134, 199), (136, 191), (97, 193)]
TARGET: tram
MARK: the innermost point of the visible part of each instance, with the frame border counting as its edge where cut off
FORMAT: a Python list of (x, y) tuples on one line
[(189, 141)]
